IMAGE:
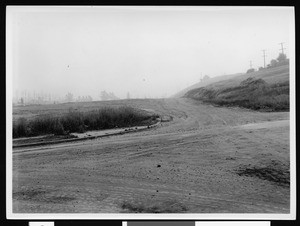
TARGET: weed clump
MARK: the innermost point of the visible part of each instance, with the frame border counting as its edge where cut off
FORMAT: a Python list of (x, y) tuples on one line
[(274, 172), (171, 206), (20, 128)]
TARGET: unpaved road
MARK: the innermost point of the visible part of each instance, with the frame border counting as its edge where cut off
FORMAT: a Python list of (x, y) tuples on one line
[(206, 160)]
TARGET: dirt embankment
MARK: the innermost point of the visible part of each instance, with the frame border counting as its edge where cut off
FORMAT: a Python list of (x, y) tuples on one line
[(266, 90), (251, 93)]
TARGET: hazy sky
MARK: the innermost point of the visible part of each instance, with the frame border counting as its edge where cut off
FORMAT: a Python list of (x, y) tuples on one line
[(147, 51)]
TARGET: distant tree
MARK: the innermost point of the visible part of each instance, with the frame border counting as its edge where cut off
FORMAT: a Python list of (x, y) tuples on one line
[(281, 57), (89, 98), (206, 77), (22, 101), (250, 70), (260, 68), (69, 97), (104, 95), (112, 96), (107, 96), (273, 63)]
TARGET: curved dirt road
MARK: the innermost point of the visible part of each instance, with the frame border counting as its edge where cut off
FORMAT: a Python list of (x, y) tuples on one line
[(206, 160)]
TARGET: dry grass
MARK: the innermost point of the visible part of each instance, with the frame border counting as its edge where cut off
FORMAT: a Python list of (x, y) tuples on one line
[(251, 93), (76, 121)]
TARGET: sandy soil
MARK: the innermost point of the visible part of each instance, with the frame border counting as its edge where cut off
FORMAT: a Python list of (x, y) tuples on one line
[(206, 160)]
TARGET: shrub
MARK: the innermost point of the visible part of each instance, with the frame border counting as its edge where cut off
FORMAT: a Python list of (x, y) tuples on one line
[(72, 121), (58, 128), (20, 128), (250, 70)]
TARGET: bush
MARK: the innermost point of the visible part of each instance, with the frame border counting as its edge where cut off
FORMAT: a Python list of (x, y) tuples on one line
[(250, 70), (72, 121), (20, 128), (58, 128)]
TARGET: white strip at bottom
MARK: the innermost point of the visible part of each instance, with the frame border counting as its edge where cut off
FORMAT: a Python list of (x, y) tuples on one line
[(45, 223), (232, 223)]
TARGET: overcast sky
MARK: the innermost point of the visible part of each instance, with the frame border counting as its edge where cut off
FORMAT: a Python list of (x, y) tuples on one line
[(146, 51)]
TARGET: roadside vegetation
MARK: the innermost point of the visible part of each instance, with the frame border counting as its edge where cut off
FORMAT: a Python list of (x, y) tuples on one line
[(76, 121), (251, 93)]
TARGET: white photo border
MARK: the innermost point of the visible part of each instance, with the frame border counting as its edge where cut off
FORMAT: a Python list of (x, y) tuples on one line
[(12, 10)]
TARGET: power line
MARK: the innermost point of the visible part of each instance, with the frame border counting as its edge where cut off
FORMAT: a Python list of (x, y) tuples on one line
[(281, 47)]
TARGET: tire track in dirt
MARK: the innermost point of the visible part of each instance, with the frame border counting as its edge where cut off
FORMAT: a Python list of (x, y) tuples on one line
[(121, 190)]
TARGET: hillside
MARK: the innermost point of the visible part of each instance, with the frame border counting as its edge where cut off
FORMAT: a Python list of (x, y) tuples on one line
[(266, 90), (204, 83)]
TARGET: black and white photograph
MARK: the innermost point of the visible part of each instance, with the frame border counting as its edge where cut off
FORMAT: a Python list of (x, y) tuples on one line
[(164, 112)]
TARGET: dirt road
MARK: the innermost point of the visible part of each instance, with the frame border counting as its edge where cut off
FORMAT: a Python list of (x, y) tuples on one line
[(206, 160)]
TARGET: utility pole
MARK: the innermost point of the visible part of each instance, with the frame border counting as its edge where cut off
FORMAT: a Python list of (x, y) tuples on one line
[(282, 47), (250, 64), (264, 55)]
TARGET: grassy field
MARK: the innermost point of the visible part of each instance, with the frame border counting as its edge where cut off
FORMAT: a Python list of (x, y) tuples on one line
[(30, 112), (266, 90)]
